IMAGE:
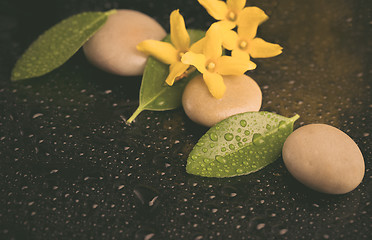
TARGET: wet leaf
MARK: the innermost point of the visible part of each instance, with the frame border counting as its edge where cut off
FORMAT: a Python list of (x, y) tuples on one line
[(239, 145), (155, 94), (55, 46)]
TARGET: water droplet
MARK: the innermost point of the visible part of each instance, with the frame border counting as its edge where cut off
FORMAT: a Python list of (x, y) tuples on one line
[(229, 191), (247, 132), (223, 149), (239, 170), (257, 139), (200, 144), (220, 159), (232, 146), (206, 160), (204, 150), (243, 123), (144, 234), (229, 137), (147, 196), (260, 226), (213, 136), (238, 138), (212, 145), (240, 144), (268, 127), (194, 157)]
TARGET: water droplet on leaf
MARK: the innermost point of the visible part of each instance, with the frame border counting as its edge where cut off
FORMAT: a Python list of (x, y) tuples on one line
[(243, 123), (239, 170), (220, 159), (229, 137), (213, 136)]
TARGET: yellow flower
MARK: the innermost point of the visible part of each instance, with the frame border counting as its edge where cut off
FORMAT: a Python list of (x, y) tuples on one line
[(171, 53), (229, 13), (213, 65), (244, 43)]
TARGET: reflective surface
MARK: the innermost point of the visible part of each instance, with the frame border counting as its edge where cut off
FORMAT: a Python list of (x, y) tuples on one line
[(72, 169)]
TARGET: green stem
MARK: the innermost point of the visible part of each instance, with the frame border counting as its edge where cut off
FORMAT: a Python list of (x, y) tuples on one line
[(135, 114)]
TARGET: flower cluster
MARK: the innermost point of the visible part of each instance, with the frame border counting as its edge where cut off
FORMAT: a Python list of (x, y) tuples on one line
[(234, 30)]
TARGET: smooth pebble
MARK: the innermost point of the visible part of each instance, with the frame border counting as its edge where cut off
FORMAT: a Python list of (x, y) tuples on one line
[(242, 95), (324, 158), (113, 47)]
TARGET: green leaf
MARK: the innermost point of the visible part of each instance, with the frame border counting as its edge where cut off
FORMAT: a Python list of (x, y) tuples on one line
[(155, 94), (239, 145), (55, 46)]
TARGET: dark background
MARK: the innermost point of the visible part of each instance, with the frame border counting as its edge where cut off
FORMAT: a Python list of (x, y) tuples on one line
[(72, 169)]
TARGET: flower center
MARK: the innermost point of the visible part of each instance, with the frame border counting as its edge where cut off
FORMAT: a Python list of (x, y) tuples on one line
[(211, 66), (180, 54), (243, 44), (231, 16)]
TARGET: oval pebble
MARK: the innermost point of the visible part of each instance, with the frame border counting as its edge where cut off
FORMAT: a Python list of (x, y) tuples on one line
[(113, 47), (242, 95), (324, 158)]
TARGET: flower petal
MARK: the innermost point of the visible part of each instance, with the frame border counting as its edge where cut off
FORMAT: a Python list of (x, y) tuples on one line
[(217, 9), (163, 51), (195, 59), (249, 20), (259, 48), (215, 84), (242, 54), (198, 46), (236, 5), (175, 70), (225, 24), (179, 36), (213, 42), (251, 15), (227, 65), (247, 32), (230, 39)]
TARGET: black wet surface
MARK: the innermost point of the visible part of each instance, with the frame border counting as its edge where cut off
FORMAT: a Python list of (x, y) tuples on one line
[(72, 169)]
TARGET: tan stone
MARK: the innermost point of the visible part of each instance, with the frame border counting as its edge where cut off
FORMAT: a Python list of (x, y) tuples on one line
[(324, 158), (113, 47), (242, 95)]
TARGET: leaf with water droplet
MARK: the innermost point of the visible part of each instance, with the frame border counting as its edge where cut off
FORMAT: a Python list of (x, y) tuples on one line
[(155, 94), (58, 44), (243, 144)]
